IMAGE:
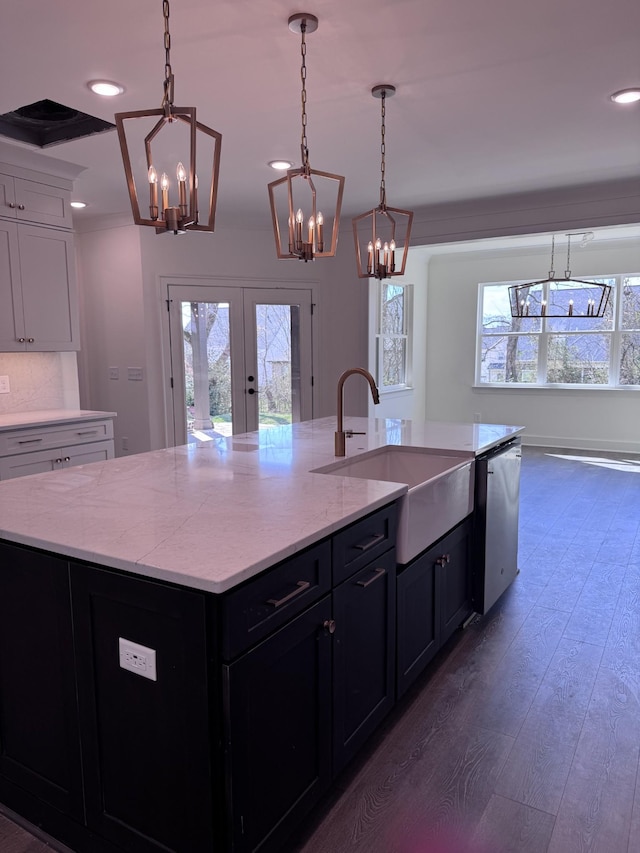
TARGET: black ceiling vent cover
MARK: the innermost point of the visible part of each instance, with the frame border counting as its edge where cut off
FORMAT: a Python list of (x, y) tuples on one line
[(47, 123)]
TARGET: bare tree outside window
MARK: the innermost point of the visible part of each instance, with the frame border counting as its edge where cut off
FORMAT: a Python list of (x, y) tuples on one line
[(392, 340)]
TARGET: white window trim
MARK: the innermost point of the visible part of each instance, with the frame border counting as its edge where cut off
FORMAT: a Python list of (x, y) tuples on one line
[(407, 336)]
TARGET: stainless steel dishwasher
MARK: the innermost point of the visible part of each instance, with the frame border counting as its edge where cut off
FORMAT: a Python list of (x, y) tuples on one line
[(497, 511)]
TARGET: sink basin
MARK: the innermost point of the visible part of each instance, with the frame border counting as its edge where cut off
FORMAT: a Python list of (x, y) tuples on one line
[(440, 490)]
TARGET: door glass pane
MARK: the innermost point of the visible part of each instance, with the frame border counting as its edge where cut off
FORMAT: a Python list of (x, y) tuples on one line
[(207, 368), (278, 359)]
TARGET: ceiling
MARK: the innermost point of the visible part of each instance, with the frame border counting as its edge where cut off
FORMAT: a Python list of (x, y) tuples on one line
[(493, 97)]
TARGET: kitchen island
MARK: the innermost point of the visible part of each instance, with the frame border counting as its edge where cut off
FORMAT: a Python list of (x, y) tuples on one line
[(195, 621)]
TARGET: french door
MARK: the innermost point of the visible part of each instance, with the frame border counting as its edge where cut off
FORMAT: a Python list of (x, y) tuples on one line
[(241, 359)]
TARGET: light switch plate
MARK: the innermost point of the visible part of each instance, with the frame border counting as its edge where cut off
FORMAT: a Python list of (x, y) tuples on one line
[(5, 388), (134, 374), (114, 373), (137, 658)]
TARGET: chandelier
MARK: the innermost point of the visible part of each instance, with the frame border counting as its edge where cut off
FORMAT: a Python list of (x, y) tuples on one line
[(181, 203), (383, 233), (305, 204), (560, 297)]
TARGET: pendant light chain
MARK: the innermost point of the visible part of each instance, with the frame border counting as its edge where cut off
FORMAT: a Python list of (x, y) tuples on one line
[(567, 272), (552, 271), (303, 77), (383, 190), (167, 100)]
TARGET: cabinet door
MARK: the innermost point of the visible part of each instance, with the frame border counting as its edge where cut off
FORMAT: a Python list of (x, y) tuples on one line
[(49, 299), (147, 744), (42, 203), (364, 610), (98, 451), (277, 721), (418, 623), (11, 311), (453, 560), (39, 739), (7, 196), (22, 464)]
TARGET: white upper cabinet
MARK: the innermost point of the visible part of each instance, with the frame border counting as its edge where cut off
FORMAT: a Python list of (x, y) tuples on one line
[(32, 201), (38, 295)]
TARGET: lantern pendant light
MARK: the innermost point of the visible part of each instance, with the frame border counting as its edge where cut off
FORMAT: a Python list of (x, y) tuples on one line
[(382, 235), (305, 204), (183, 203), (560, 297)]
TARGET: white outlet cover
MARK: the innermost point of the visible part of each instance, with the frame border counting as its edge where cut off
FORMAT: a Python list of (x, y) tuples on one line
[(134, 374), (5, 388), (138, 659)]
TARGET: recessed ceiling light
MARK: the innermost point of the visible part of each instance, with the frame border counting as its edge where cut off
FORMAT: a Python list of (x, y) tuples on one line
[(626, 96), (106, 88), (78, 204), (281, 165)]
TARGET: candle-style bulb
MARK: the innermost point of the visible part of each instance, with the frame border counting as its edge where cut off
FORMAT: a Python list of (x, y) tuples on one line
[(299, 217), (153, 193), (181, 172), (164, 181), (320, 219)]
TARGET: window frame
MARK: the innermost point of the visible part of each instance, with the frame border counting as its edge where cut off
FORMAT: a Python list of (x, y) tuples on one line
[(544, 334), (406, 335)]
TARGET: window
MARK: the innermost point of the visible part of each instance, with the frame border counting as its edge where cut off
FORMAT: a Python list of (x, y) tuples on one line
[(393, 336), (568, 351)]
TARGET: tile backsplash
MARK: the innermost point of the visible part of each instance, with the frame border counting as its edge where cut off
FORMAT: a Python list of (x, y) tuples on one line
[(39, 380)]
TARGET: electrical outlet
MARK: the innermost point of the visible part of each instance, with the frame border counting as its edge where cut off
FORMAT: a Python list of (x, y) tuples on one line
[(125, 442), (134, 374), (476, 417), (137, 658), (5, 388), (114, 373)]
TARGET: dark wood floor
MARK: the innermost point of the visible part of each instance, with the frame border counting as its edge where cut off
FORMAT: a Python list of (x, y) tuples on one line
[(524, 737)]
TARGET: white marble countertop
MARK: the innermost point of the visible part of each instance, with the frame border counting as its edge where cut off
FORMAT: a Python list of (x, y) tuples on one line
[(212, 514), (49, 417)]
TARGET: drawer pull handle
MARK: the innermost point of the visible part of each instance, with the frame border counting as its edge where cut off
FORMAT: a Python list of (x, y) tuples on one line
[(28, 440), (442, 561), (378, 573), (329, 625), (300, 587), (87, 432), (365, 546)]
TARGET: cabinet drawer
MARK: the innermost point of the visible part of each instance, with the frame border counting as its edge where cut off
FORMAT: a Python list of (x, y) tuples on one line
[(363, 541), (41, 438), (265, 603)]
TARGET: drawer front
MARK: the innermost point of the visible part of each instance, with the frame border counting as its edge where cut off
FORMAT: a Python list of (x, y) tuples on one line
[(252, 612), (363, 541), (41, 438), (41, 461)]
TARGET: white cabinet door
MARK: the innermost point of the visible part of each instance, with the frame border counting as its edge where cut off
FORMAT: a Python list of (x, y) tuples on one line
[(32, 201), (11, 311), (49, 298), (38, 295), (42, 203)]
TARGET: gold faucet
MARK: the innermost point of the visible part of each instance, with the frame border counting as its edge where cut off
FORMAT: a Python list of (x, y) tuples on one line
[(340, 432)]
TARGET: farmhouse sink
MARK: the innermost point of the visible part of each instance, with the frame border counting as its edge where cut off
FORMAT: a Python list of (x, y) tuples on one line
[(440, 490)]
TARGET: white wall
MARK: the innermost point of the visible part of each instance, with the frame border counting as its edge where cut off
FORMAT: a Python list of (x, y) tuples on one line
[(112, 321), (602, 418), (121, 272)]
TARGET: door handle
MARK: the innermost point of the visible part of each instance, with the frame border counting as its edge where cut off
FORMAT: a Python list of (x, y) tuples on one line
[(300, 587), (377, 573)]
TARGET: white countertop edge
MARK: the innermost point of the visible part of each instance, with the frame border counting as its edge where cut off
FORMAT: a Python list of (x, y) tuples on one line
[(147, 570), (49, 417)]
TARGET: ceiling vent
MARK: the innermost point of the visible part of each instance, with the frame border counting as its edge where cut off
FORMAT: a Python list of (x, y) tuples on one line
[(47, 123)]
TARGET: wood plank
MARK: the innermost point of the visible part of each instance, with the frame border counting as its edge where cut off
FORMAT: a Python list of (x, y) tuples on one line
[(539, 763), (510, 827), (596, 807)]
